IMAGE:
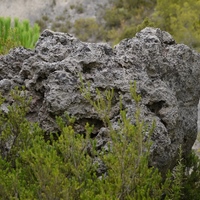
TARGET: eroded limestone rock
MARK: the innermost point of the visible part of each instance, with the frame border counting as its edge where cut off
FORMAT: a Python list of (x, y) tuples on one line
[(167, 76)]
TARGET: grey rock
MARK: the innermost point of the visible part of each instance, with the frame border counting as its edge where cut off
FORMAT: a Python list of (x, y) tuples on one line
[(167, 76)]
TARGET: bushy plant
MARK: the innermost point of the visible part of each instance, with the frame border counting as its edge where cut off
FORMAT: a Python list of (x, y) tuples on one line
[(116, 35), (65, 166), (8, 38), (129, 175), (181, 19), (13, 34), (88, 29), (125, 17), (43, 22), (191, 177), (33, 168), (79, 8)]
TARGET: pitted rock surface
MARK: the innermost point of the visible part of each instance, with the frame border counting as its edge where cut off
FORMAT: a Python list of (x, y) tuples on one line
[(167, 76)]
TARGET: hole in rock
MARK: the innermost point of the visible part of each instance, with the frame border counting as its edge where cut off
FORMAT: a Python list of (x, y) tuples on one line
[(87, 67), (156, 106), (79, 126)]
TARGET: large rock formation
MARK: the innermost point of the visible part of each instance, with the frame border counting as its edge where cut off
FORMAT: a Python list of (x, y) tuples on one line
[(167, 76)]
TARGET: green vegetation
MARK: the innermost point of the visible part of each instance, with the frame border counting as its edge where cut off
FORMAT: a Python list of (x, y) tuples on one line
[(79, 8), (60, 26), (181, 19), (88, 29), (66, 165), (13, 34), (42, 23), (127, 17), (191, 177)]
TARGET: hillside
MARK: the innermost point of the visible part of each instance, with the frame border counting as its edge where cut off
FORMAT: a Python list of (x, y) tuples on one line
[(82, 18), (52, 9)]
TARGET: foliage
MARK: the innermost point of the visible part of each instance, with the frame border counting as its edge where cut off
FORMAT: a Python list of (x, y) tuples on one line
[(9, 43), (129, 11), (62, 167), (11, 124), (59, 26), (127, 31), (87, 29), (13, 34), (126, 17), (32, 168), (8, 38), (129, 176), (43, 22), (191, 179), (79, 8), (181, 19)]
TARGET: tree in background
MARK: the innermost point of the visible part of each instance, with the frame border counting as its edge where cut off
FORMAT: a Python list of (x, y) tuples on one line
[(178, 17), (126, 17), (88, 29), (181, 19)]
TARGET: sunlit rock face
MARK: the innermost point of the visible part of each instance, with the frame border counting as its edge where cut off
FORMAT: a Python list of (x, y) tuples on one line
[(167, 76)]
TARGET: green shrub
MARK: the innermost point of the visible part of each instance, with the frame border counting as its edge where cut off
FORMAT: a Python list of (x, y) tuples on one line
[(72, 6), (33, 168), (79, 8), (129, 175), (8, 36), (116, 35), (65, 166), (191, 179), (113, 17), (61, 26), (13, 34), (124, 17), (43, 23), (183, 16), (88, 29)]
